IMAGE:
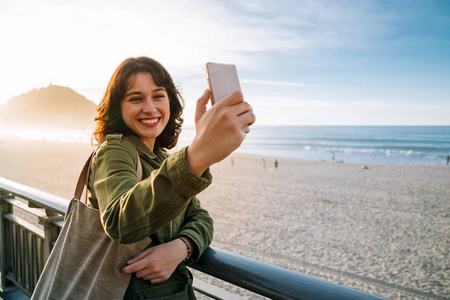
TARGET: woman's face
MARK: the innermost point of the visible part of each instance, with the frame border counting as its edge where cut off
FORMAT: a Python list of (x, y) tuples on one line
[(146, 108)]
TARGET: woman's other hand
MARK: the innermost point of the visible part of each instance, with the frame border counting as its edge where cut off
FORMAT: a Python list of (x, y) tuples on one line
[(158, 263), (219, 130)]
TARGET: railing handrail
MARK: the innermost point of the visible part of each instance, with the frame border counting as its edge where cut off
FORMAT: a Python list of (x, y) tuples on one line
[(271, 281), (264, 279), (45, 200)]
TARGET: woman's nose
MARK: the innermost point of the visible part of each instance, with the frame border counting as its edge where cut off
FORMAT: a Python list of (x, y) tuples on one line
[(149, 106)]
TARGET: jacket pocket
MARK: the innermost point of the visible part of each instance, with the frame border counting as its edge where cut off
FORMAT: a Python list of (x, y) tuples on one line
[(178, 286), (168, 291)]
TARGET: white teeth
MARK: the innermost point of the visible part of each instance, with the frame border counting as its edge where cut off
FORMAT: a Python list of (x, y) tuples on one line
[(149, 121)]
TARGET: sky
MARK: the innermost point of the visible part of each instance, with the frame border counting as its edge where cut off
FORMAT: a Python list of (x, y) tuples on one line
[(315, 62)]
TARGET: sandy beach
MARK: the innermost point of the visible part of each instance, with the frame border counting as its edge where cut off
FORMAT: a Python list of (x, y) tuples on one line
[(380, 229)]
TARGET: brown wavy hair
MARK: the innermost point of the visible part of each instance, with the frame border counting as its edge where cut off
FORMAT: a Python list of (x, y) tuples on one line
[(109, 116)]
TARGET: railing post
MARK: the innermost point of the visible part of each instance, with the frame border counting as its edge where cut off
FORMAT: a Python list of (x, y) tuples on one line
[(5, 239), (51, 231)]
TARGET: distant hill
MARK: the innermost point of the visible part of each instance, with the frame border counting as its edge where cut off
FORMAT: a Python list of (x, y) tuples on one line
[(50, 107)]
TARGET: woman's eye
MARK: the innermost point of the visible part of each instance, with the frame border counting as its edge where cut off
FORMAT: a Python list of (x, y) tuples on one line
[(135, 99), (159, 96)]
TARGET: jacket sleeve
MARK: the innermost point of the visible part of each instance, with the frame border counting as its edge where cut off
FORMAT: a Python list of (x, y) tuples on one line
[(131, 210), (198, 227)]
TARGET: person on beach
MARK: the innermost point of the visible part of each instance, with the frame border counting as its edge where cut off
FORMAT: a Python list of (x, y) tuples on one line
[(448, 159), (141, 113)]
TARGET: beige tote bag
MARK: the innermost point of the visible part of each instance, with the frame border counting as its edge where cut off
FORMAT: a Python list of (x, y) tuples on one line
[(85, 263)]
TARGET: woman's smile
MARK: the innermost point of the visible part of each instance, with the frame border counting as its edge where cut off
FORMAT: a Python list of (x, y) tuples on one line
[(152, 121)]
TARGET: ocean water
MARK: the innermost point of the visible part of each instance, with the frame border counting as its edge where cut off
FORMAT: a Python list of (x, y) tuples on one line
[(411, 145)]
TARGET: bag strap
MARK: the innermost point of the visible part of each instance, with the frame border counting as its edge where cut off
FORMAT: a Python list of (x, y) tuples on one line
[(84, 175)]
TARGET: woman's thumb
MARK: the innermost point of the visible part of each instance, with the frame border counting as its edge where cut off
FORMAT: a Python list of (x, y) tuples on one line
[(201, 105)]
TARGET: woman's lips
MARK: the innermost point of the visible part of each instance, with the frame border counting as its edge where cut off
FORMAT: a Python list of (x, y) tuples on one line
[(151, 121)]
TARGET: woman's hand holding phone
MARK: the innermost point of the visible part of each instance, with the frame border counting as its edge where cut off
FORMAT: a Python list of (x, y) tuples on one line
[(219, 130)]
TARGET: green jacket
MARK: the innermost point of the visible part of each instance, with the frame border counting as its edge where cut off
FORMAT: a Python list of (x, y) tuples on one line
[(162, 206)]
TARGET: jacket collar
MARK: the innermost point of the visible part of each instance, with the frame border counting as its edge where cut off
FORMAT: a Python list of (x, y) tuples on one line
[(145, 151), (140, 146)]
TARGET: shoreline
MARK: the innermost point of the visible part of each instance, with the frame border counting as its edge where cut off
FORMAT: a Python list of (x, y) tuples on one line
[(240, 151), (362, 164), (380, 230)]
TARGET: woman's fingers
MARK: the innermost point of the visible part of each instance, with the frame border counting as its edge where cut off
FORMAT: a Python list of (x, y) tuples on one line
[(232, 99), (139, 256), (244, 115), (247, 118), (246, 129)]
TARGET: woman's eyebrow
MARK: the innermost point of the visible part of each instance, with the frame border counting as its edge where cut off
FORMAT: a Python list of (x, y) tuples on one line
[(133, 93), (161, 89)]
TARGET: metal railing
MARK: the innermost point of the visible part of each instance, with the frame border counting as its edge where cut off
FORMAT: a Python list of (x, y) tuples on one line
[(25, 245)]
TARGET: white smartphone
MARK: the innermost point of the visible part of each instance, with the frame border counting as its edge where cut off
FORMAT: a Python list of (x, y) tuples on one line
[(222, 80)]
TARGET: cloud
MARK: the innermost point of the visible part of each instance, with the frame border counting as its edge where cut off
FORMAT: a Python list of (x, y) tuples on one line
[(183, 34), (344, 45)]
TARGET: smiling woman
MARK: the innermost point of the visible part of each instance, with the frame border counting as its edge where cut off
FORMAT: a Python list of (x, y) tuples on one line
[(141, 113)]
